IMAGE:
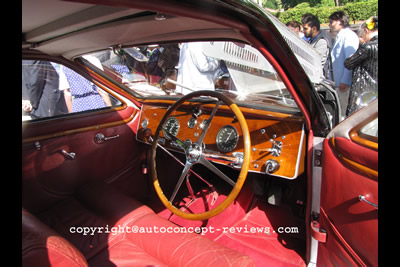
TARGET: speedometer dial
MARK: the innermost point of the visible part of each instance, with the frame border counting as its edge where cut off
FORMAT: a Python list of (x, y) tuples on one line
[(172, 126), (227, 138)]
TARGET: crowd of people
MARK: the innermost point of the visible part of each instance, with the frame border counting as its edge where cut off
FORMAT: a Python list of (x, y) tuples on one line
[(350, 61)]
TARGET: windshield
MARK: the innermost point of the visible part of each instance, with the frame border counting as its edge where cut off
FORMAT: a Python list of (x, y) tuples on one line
[(172, 70)]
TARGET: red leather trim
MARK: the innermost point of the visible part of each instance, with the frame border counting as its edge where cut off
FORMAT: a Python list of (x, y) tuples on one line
[(47, 174), (335, 234), (348, 222), (357, 153), (76, 123), (352, 164)]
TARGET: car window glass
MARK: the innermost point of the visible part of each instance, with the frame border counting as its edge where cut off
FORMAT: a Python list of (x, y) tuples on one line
[(50, 89), (172, 70)]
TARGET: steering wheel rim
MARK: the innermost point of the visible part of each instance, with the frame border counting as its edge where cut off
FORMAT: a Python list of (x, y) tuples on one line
[(245, 163)]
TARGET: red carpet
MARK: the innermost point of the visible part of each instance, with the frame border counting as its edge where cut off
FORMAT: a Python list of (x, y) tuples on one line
[(270, 235)]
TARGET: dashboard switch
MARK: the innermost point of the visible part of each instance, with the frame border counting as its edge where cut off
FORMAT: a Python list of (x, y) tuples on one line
[(271, 166)]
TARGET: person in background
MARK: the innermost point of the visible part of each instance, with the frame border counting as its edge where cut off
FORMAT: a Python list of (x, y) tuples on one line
[(151, 67), (295, 27), (346, 43), (41, 96), (320, 40), (80, 93), (364, 64), (167, 61), (195, 69)]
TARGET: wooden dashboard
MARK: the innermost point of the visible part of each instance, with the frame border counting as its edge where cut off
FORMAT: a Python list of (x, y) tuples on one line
[(274, 136)]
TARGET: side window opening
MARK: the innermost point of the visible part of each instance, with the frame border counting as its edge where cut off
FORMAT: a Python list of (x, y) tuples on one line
[(50, 89)]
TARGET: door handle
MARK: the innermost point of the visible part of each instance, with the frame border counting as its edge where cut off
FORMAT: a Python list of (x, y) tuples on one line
[(100, 138), (363, 198), (67, 155)]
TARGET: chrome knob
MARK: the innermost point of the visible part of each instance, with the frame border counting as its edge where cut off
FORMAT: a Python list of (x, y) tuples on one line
[(271, 166)]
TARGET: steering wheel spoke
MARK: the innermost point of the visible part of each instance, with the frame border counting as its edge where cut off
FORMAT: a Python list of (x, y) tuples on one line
[(215, 170), (185, 172), (207, 125)]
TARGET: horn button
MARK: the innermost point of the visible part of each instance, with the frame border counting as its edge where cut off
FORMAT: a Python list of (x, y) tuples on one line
[(193, 153)]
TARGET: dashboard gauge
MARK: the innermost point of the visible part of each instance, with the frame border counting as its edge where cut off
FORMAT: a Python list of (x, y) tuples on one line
[(192, 122), (227, 138), (172, 126), (145, 122)]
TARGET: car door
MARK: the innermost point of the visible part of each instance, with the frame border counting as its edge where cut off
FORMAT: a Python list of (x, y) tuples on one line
[(348, 218), (60, 152)]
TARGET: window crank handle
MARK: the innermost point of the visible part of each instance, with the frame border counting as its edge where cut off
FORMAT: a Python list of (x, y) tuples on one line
[(67, 155), (100, 138), (363, 198)]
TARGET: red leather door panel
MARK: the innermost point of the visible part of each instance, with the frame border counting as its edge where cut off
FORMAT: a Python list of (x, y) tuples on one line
[(349, 170), (50, 175)]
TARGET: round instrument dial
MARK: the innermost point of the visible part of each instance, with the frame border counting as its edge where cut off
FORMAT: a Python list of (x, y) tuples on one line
[(227, 138), (172, 126), (192, 122)]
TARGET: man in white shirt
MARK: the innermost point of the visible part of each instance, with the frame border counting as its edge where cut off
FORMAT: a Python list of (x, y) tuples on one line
[(196, 70), (346, 44)]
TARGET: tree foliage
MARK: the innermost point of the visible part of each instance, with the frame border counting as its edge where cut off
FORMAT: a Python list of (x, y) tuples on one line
[(273, 4), (356, 11), (286, 4)]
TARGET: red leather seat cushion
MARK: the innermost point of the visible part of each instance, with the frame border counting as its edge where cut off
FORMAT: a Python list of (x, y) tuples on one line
[(183, 249), (43, 247), (99, 205)]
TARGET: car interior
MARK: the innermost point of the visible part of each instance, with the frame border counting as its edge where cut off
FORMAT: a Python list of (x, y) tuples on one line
[(164, 173)]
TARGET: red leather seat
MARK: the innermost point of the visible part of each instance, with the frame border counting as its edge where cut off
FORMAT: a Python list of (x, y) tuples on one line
[(43, 247), (97, 205)]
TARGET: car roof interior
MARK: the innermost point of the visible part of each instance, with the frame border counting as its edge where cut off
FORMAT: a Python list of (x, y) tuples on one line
[(79, 28)]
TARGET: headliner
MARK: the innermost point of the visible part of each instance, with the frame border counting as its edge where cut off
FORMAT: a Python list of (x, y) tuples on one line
[(71, 29)]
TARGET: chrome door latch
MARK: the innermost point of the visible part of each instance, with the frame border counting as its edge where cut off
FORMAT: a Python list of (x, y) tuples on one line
[(67, 155), (100, 138)]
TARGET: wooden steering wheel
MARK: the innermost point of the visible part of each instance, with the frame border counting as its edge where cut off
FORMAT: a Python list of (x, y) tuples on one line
[(194, 155)]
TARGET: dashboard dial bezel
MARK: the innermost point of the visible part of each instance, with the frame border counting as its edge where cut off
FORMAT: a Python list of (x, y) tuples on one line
[(169, 125), (227, 141)]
